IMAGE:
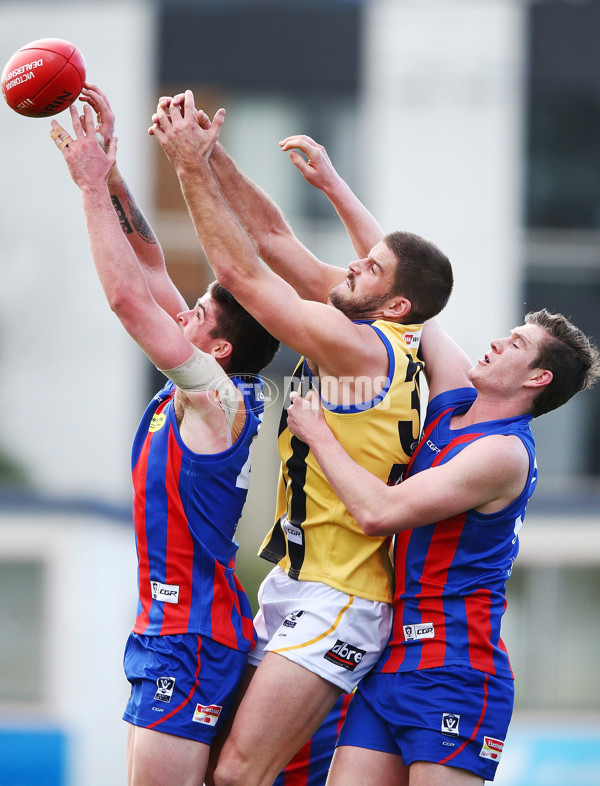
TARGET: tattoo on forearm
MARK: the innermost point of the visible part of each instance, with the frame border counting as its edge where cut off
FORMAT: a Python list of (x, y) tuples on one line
[(141, 226), (122, 215)]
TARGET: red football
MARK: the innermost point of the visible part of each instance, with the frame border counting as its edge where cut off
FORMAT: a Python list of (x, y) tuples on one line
[(43, 77)]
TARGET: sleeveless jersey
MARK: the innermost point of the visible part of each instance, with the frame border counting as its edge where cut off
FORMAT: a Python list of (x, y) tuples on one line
[(315, 538), (186, 509), (450, 576)]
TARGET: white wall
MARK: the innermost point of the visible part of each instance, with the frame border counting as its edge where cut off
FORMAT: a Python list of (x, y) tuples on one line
[(441, 124), (71, 387)]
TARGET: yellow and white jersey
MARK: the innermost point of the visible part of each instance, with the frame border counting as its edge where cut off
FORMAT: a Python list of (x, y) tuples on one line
[(314, 537)]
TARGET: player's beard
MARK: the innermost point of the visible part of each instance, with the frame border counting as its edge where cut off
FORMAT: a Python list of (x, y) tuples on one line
[(357, 307)]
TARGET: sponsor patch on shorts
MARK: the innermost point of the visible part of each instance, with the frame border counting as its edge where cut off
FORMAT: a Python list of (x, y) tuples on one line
[(345, 655), (492, 748), (207, 714)]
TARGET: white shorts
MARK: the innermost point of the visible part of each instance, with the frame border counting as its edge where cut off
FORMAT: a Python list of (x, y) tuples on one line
[(335, 635)]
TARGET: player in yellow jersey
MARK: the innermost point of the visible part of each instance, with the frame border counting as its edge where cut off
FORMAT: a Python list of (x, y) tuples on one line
[(324, 609)]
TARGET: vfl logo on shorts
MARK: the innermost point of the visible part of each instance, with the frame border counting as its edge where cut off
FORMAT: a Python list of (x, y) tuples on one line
[(291, 619), (165, 687), (168, 593), (492, 748), (209, 714), (293, 534), (345, 655), (450, 724), (423, 631)]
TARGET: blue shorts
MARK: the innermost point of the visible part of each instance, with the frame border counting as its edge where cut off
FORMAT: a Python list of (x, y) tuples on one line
[(453, 716), (182, 684)]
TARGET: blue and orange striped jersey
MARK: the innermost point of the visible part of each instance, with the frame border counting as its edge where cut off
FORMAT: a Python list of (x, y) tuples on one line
[(186, 509), (450, 576), (310, 765)]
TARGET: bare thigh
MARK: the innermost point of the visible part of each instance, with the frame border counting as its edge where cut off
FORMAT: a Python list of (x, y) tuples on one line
[(283, 706), (219, 740), (158, 759), (425, 773), (364, 767)]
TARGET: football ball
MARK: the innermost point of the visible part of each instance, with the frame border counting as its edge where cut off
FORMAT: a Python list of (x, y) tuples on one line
[(43, 78)]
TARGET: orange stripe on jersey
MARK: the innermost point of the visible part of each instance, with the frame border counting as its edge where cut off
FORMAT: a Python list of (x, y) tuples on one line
[(139, 473), (479, 630), (442, 549), (396, 655), (222, 606), (180, 546)]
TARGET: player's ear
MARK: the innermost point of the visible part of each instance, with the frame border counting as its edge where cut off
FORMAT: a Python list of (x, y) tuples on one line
[(222, 349), (397, 308), (539, 378)]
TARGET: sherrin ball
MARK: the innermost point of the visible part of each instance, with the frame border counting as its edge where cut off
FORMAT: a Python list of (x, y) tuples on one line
[(43, 78)]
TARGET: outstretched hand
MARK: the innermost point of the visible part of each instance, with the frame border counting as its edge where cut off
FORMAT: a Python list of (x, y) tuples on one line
[(305, 417), (105, 117), (316, 168), (184, 133), (88, 164)]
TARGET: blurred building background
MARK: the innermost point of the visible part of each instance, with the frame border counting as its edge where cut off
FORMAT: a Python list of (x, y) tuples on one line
[(473, 122)]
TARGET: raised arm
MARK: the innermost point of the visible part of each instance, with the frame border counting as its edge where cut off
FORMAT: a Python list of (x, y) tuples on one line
[(314, 329), (134, 224), (122, 278), (446, 364), (264, 222), (364, 231), (486, 475)]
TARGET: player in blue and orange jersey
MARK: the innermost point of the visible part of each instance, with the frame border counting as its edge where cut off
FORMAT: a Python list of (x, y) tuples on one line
[(188, 650), (437, 706)]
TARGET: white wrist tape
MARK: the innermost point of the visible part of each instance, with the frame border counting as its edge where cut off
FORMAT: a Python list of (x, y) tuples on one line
[(202, 372)]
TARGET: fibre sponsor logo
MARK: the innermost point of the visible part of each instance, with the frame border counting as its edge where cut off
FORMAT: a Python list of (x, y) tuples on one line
[(492, 748), (423, 631), (207, 714), (167, 593), (345, 655)]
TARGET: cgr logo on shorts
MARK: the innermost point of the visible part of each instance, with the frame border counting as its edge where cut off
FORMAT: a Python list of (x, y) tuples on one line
[(450, 723), (165, 687), (345, 655)]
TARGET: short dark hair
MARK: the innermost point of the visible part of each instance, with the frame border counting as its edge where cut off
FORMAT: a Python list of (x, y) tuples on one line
[(253, 346), (423, 274), (569, 354)]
